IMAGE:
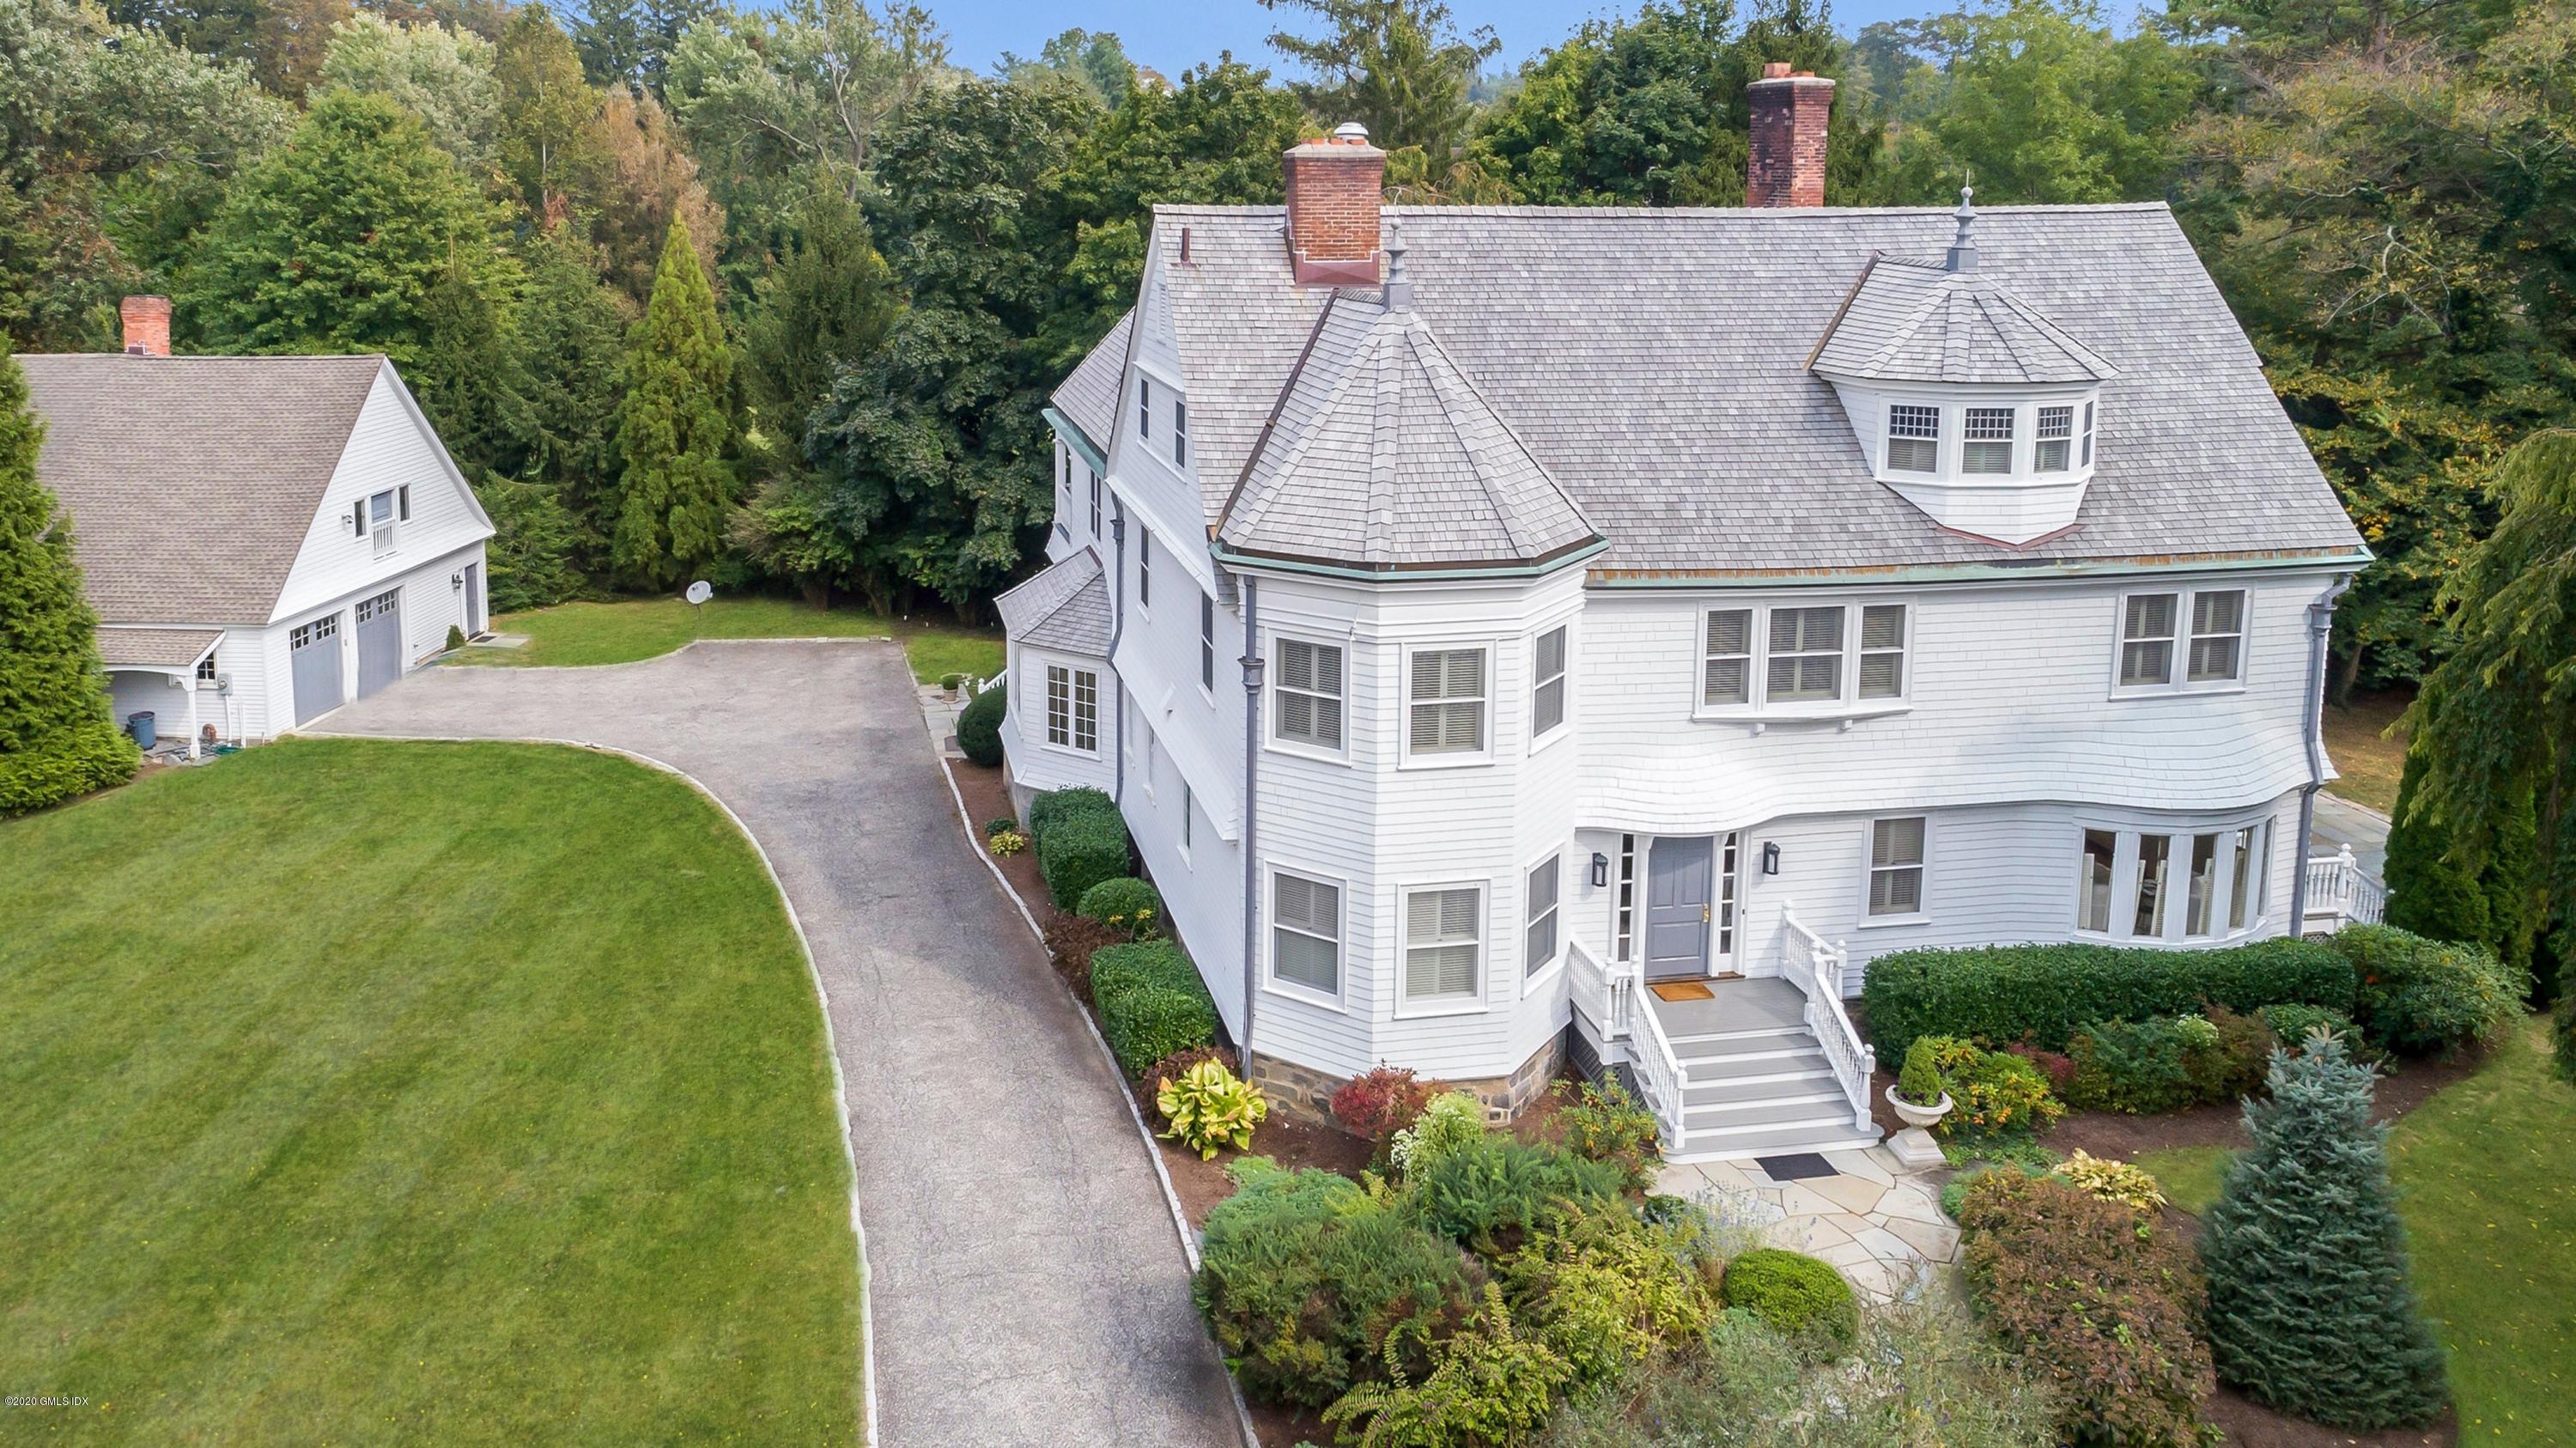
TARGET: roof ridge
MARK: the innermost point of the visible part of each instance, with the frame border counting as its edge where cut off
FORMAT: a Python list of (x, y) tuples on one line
[(1478, 456)]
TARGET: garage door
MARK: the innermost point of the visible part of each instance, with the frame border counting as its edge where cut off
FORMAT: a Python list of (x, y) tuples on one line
[(316, 650), (380, 647)]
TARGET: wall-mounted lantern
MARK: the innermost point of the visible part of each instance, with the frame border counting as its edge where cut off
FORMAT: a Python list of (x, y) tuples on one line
[(1770, 857), (1600, 870)]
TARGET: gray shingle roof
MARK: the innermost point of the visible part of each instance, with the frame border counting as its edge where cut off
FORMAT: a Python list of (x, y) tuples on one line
[(1654, 363), (1088, 396), (192, 481), (1066, 606), (164, 648), (1383, 456), (1914, 320)]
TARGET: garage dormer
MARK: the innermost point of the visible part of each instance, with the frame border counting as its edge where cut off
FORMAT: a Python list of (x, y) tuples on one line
[(1967, 402)]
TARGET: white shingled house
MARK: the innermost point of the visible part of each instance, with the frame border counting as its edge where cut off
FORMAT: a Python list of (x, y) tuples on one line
[(1512, 632), (263, 538)]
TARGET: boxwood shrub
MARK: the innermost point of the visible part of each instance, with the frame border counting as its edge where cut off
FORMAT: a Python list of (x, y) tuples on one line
[(1047, 807), (2004, 994), (1794, 1293), (1126, 902), (979, 727), (1148, 1022), (1078, 849), (1119, 968)]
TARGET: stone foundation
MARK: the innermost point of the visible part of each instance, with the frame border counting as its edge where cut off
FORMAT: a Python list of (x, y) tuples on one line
[(1307, 1094)]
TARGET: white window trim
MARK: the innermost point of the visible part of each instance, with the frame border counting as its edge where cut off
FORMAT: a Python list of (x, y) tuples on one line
[(1272, 674), (1271, 981), (1144, 570), (1533, 982), (1565, 717), (1099, 719), (1098, 488), (1953, 404), (1210, 661), (1758, 709), (1445, 759), (2180, 682), (2174, 909), (1922, 914), (1180, 431), (1408, 1009), (1189, 823)]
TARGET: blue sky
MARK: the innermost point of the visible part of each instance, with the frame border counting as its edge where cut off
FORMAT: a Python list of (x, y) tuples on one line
[(1170, 35)]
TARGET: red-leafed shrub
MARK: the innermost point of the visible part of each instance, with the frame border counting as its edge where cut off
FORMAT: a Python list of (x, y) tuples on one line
[(2099, 1304), (1382, 1101), (1070, 940), (2057, 1066)]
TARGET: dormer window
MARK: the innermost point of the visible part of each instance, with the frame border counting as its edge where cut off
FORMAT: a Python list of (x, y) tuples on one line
[(2056, 438), (1989, 441), (1913, 439)]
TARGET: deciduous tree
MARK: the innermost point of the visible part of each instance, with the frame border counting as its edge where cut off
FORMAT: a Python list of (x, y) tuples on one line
[(442, 76)]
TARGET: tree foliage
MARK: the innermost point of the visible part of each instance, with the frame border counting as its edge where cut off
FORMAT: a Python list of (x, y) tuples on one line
[(675, 430), (442, 76), (1399, 67)]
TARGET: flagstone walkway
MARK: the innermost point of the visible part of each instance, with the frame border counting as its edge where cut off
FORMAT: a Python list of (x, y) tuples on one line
[(1880, 1224)]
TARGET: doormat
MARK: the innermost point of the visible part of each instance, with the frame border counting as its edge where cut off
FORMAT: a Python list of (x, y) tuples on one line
[(1795, 1167), (1682, 990)]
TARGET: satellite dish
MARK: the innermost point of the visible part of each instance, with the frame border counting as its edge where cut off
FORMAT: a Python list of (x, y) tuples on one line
[(699, 592)]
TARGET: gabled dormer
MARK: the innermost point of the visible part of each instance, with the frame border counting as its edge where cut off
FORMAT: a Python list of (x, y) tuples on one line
[(1966, 401)]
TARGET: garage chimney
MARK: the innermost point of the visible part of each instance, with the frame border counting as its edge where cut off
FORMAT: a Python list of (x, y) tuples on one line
[(147, 326), (1785, 165), (1335, 185)]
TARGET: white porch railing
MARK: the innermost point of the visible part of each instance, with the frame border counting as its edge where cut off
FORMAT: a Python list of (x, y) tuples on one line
[(1605, 993), (2340, 893), (1816, 969)]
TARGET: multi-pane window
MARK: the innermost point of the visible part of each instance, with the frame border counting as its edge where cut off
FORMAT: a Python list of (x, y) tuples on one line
[(2147, 639), (1882, 651), (1540, 913), (1307, 694), (1180, 432), (1806, 655), (1144, 567), (1446, 701), (1987, 441), (2217, 635), (2155, 856), (1306, 932), (2093, 904), (2188, 886), (1547, 690), (1095, 502), (1896, 866), (1443, 943), (1913, 438), (1144, 407), (1207, 643), (1073, 708), (206, 669), (2056, 439), (1727, 675)]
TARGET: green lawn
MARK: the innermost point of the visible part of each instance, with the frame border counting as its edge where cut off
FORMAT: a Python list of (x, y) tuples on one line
[(2357, 741), (2189, 1175), (373, 1092), (2490, 1202), (622, 632)]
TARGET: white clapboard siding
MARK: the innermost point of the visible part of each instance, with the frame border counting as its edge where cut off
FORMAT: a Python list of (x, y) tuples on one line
[(391, 447)]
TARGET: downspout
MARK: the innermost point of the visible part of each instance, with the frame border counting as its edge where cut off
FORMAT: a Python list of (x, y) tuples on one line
[(2320, 627), (1252, 671), (1117, 628)]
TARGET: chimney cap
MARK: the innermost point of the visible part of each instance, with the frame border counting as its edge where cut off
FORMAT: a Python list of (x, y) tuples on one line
[(1351, 133), (1775, 70)]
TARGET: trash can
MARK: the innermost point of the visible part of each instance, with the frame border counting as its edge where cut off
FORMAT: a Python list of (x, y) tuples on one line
[(140, 726)]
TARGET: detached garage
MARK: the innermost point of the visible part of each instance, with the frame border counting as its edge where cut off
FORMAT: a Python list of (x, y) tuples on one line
[(264, 538)]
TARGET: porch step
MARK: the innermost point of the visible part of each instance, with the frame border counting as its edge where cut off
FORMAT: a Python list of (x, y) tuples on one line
[(1703, 1124), (1816, 1085), (1789, 1064), (1812, 1133), (1728, 1043)]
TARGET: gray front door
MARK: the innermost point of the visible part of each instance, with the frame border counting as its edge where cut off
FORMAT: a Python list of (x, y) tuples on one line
[(1677, 907), (380, 641), (315, 649), (473, 599)]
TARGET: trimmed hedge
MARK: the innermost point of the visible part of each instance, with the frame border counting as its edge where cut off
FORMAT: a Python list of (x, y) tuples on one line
[(2418, 997), (1116, 968), (2044, 994), (1054, 803), (1078, 849), (1126, 902), (1794, 1293), (1148, 1022), (979, 727)]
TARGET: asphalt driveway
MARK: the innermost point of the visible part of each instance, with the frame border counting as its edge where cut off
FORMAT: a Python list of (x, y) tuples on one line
[(1025, 1283)]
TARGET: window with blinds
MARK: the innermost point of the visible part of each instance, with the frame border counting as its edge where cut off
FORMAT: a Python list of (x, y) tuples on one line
[(1726, 675), (1547, 689), (2182, 640), (1443, 944), (2056, 439), (1805, 662), (1896, 866), (1540, 910), (2146, 639), (1882, 651), (1306, 695), (1445, 703), (2217, 636), (1913, 438), (1987, 441), (1306, 932)]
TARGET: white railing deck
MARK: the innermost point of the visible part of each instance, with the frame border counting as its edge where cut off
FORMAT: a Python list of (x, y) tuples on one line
[(2341, 893), (1606, 993), (1816, 968)]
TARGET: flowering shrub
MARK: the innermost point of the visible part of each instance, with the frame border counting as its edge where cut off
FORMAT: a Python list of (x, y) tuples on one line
[(1381, 1101), (2112, 1181), (1006, 842), (1608, 1126), (1211, 1107), (1449, 1121)]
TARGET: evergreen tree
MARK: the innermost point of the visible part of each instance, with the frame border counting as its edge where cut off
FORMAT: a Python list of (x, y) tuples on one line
[(572, 342), (57, 739), (675, 427), (2309, 1307), (2429, 891), (1398, 67), (827, 305)]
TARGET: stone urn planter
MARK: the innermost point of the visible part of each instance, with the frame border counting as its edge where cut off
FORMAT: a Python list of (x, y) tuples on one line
[(1914, 1115)]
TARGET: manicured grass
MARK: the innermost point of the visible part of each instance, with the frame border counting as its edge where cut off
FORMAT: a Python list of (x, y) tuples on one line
[(2490, 1204), (625, 631), (2370, 764), (366, 1092), (2189, 1175)]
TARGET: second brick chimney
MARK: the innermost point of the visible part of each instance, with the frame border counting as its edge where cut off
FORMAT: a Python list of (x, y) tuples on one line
[(147, 325), (1785, 165), (1336, 184)]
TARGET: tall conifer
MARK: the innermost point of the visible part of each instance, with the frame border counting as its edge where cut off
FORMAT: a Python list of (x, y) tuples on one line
[(675, 427)]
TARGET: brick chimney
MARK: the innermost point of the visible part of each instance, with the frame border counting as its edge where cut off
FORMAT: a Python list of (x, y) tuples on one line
[(1335, 186), (1786, 163), (147, 326)]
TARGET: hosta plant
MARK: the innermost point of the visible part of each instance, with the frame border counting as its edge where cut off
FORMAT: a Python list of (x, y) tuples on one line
[(1211, 1107), (1006, 842)]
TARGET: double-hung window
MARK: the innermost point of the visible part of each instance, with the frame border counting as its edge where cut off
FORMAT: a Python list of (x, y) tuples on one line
[(2056, 440), (1305, 932), (1540, 934), (2217, 636), (1896, 866), (2085, 451), (1882, 651), (1144, 567), (1444, 944), (1180, 433), (1726, 675), (1988, 444), (1806, 656), (1073, 708), (1144, 407), (2147, 639), (1306, 690), (2156, 651), (1445, 701), (1547, 687), (1095, 502), (1207, 643), (1913, 438)]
